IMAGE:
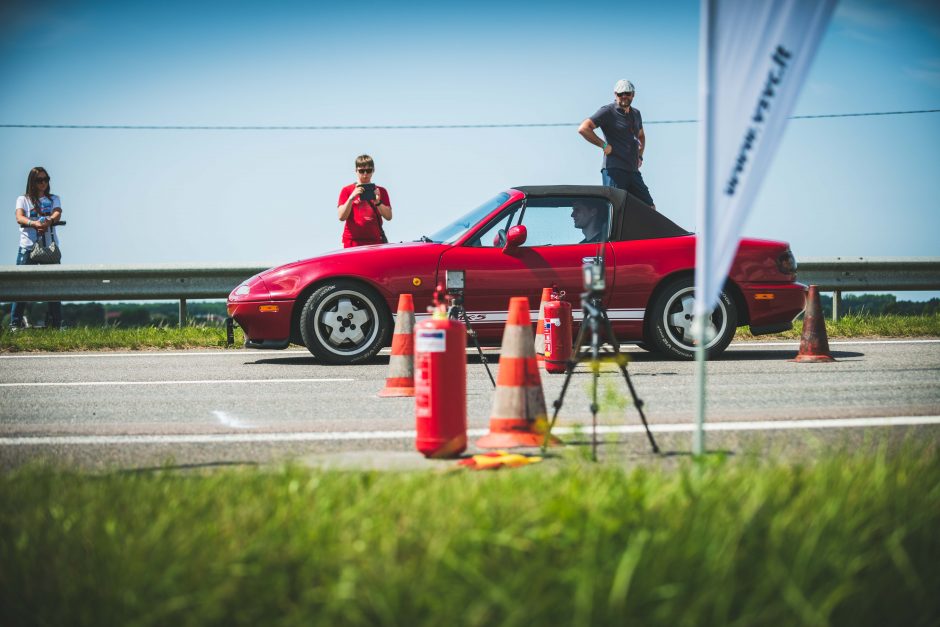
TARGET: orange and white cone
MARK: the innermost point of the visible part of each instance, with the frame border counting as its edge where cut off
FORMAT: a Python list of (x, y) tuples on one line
[(401, 365), (814, 342), (519, 417), (540, 325)]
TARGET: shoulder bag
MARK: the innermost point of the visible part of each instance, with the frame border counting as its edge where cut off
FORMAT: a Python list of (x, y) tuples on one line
[(378, 216), (45, 254)]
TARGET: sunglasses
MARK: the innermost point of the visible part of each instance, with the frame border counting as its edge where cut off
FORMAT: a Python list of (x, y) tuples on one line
[(365, 170), (42, 179), (624, 93)]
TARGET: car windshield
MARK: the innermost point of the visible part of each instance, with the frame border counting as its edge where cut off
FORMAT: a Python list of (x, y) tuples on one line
[(456, 229)]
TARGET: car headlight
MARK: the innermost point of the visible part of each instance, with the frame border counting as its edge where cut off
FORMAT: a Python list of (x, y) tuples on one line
[(252, 289)]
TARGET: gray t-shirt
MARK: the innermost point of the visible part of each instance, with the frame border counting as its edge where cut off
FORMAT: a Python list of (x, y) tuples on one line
[(620, 131)]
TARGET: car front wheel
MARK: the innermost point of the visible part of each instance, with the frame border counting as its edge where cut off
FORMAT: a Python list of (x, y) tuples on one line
[(344, 322), (670, 322)]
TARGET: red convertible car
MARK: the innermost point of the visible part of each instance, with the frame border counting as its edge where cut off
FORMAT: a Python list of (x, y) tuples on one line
[(340, 305)]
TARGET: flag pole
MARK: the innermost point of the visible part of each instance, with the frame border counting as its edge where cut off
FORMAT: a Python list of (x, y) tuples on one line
[(702, 254)]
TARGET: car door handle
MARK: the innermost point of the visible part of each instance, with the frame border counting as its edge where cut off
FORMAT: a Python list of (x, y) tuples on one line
[(591, 259)]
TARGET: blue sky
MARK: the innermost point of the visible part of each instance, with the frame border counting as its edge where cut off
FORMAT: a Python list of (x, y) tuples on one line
[(848, 187)]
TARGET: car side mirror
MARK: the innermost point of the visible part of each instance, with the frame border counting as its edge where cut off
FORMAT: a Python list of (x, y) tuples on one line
[(515, 237)]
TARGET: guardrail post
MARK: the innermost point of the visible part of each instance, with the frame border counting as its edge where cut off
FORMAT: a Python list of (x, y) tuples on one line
[(182, 312), (836, 305)]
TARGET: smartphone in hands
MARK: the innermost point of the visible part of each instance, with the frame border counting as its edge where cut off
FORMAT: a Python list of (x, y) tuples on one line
[(368, 191)]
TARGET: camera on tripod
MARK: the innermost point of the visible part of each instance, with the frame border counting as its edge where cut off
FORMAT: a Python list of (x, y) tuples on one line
[(451, 293), (596, 324), (592, 269), (455, 281)]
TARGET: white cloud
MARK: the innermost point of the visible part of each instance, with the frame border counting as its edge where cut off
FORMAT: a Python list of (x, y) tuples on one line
[(928, 76), (866, 15)]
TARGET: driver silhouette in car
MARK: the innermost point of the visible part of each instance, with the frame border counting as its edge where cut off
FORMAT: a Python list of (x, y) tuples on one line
[(591, 218)]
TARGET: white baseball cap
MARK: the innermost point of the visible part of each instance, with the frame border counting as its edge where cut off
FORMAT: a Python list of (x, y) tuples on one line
[(623, 85)]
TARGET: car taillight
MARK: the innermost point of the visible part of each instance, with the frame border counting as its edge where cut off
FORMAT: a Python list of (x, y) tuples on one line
[(786, 262)]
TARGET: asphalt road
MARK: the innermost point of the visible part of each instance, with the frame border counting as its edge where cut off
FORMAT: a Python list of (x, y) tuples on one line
[(144, 409)]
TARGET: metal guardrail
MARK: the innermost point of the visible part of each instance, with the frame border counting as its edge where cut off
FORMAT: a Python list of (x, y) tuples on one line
[(133, 282), (868, 274), (187, 281), (875, 274)]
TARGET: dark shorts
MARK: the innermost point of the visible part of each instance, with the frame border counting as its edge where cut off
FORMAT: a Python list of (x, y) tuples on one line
[(631, 182)]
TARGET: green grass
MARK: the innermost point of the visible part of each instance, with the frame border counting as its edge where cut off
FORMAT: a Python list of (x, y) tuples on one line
[(117, 338), (849, 540), (865, 326), (147, 338)]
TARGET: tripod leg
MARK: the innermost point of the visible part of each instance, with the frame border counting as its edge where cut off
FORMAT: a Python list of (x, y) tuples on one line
[(486, 364), (473, 335), (626, 377), (569, 370), (595, 374), (639, 407)]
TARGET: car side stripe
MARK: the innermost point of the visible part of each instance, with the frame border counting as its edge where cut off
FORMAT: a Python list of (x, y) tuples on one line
[(499, 317)]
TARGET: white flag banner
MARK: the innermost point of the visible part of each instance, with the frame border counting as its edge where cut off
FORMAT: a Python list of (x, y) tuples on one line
[(755, 55)]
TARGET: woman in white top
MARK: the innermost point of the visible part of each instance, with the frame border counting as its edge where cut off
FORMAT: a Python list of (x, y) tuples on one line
[(37, 213)]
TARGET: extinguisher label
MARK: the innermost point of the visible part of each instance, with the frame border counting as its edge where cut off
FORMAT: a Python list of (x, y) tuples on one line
[(430, 341)]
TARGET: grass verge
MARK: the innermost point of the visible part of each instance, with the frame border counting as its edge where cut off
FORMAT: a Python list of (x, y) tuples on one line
[(848, 540), (117, 338), (890, 326), (150, 338)]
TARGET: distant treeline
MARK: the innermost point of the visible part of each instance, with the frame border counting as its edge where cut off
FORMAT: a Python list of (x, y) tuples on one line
[(880, 305), (214, 313)]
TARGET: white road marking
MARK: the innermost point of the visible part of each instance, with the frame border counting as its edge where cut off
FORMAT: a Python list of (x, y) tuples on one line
[(191, 382), (248, 438), (386, 350), (231, 421), (236, 352)]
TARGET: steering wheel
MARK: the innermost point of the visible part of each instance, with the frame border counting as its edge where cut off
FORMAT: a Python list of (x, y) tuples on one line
[(499, 240)]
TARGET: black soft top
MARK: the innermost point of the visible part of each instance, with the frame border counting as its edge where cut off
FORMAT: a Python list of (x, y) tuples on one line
[(632, 219)]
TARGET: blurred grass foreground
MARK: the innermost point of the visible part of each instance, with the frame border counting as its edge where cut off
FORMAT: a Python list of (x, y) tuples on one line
[(852, 539)]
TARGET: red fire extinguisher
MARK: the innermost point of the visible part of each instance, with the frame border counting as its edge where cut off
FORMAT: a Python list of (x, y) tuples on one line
[(558, 325), (441, 385)]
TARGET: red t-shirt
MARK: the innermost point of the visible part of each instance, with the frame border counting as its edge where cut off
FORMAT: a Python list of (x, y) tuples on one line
[(363, 222)]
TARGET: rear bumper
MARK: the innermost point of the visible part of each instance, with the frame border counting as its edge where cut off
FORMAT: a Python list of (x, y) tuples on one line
[(266, 323), (773, 306), (780, 327), (267, 344)]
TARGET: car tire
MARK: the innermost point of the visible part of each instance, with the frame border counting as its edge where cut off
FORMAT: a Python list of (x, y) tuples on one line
[(670, 322), (345, 322)]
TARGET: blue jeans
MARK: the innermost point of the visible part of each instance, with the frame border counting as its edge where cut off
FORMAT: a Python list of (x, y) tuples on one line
[(631, 182), (53, 316)]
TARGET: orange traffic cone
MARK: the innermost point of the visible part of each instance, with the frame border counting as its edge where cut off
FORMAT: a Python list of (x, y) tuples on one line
[(401, 365), (540, 325), (519, 417), (814, 343)]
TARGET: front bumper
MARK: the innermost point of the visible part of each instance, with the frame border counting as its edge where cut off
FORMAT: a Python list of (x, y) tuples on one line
[(266, 323)]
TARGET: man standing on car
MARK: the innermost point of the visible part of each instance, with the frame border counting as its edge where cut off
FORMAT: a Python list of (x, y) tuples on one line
[(623, 144), (363, 205)]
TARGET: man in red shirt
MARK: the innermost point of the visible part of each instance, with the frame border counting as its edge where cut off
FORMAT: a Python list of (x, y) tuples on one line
[(362, 206)]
